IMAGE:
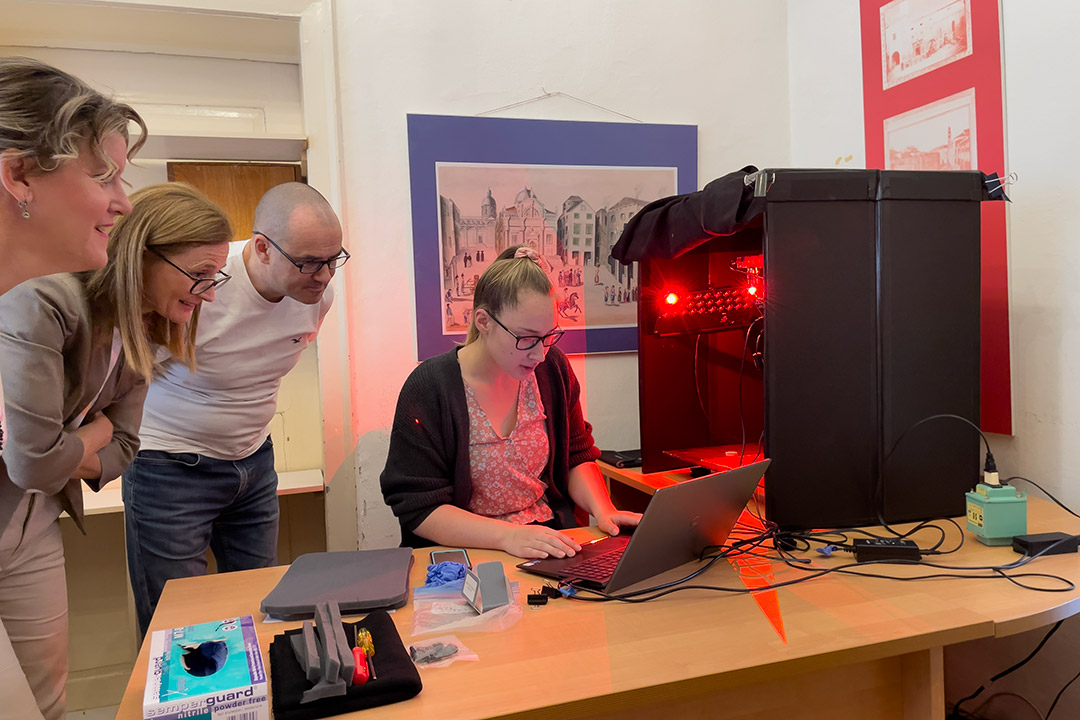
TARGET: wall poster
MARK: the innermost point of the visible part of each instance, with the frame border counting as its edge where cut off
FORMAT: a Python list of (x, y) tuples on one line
[(566, 189)]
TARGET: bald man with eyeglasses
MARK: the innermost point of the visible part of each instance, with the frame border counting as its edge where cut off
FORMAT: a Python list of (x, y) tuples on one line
[(204, 477)]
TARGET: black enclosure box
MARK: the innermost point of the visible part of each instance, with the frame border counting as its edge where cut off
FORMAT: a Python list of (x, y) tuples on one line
[(865, 321)]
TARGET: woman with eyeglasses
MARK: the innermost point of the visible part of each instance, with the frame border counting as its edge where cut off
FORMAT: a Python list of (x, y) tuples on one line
[(78, 351), (489, 448)]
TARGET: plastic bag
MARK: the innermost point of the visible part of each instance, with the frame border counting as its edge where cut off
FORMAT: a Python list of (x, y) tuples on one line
[(440, 652), (442, 609)]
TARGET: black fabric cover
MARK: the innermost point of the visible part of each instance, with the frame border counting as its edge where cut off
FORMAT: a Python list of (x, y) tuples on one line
[(397, 677), (671, 226)]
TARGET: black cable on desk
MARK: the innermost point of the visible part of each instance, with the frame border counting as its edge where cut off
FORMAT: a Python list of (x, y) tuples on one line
[(840, 538), (989, 464), (1060, 504), (958, 573)]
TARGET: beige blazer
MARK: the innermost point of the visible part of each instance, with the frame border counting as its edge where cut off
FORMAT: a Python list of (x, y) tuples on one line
[(53, 360)]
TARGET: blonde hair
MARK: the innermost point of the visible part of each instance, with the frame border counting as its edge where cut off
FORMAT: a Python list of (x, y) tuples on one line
[(500, 284), (170, 218), (45, 113)]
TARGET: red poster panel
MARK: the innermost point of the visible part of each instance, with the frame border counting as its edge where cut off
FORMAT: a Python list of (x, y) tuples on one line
[(932, 93)]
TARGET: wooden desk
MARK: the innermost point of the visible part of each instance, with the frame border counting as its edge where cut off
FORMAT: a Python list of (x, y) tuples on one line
[(851, 647)]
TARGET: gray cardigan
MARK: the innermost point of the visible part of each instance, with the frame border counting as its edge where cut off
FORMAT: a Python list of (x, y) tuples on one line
[(54, 358)]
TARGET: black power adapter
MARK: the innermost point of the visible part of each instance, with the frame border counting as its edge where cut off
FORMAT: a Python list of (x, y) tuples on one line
[(870, 549), (1055, 543)]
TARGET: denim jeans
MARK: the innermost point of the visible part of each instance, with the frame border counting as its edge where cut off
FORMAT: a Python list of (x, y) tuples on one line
[(176, 505)]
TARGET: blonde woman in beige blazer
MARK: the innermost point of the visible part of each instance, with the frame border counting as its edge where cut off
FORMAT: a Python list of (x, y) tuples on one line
[(63, 147), (77, 352)]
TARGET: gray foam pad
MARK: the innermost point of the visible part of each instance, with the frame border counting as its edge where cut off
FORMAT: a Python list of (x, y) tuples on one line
[(330, 682), (348, 663), (306, 651), (356, 581)]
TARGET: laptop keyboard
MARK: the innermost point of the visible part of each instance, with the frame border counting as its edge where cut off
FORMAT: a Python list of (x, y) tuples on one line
[(597, 568)]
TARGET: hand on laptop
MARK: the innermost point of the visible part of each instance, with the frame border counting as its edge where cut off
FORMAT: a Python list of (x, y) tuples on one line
[(537, 541), (610, 522)]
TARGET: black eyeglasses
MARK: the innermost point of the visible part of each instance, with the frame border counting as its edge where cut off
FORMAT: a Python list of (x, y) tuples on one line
[(311, 267), (528, 342), (198, 285)]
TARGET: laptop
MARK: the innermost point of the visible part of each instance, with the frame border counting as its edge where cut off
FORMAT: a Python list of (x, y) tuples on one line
[(678, 524)]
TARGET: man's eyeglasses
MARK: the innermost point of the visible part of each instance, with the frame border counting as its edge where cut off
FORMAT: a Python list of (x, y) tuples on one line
[(528, 342), (311, 267), (198, 285)]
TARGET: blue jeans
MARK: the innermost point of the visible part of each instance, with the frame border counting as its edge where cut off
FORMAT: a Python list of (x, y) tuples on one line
[(176, 505)]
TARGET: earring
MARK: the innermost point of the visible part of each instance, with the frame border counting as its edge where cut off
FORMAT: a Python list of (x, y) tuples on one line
[(25, 212)]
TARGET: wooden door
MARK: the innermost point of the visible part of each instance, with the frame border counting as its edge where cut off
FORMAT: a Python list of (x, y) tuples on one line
[(236, 187)]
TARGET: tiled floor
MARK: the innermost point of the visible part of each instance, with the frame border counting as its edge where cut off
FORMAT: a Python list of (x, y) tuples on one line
[(106, 713)]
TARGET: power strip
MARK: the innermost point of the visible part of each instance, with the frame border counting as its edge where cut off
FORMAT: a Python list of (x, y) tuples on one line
[(871, 549)]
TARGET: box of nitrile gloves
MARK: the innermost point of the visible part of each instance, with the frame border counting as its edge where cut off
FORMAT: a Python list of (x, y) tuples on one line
[(209, 671)]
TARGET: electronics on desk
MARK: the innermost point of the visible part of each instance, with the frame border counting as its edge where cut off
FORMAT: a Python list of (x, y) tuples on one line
[(621, 458), (486, 587), (996, 513), (711, 309), (827, 326)]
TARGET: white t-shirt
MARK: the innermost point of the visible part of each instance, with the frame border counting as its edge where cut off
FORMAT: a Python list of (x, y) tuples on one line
[(245, 345)]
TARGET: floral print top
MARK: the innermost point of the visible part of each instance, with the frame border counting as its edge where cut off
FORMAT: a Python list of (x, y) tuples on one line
[(506, 471)]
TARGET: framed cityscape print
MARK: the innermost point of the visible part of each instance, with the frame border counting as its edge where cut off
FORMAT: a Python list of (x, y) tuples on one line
[(566, 189)]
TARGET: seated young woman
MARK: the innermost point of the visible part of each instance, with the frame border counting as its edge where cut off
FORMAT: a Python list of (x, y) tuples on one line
[(489, 448)]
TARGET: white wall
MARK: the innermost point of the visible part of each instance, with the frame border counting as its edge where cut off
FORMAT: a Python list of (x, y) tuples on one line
[(179, 95), (1044, 258), (825, 71), (1044, 243), (721, 65)]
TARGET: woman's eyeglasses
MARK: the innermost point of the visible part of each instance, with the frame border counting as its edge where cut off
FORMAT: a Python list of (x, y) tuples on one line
[(198, 285), (528, 342)]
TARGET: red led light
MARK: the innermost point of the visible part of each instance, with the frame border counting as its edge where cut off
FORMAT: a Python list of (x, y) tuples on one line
[(671, 298), (752, 289)]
